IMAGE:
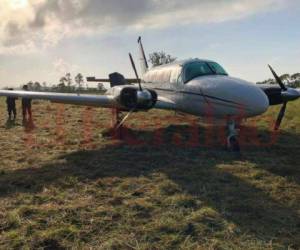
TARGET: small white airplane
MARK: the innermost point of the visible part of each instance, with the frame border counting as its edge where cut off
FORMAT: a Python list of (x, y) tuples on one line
[(197, 87)]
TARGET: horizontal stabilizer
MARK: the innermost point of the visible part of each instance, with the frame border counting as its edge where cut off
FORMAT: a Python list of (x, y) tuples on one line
[(94, 79), (111, 81)]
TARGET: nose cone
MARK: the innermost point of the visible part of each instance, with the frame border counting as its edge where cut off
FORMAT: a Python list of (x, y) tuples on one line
[(235, 97), (259, 103), (253, 98)]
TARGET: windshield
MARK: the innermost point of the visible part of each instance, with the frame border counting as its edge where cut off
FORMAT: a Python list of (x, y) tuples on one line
[(217, 68), (196, 69)]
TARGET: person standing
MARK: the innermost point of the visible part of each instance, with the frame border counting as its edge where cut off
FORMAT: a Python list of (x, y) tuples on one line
[(11, 107), (26, 106)]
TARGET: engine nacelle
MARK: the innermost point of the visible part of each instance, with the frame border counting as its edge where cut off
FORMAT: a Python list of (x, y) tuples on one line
[(274, 95), (134, 98), (277, 96)]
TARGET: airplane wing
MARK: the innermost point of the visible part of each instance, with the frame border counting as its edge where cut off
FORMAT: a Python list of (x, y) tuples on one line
[(84, 100), (105, 101), (164, 103)]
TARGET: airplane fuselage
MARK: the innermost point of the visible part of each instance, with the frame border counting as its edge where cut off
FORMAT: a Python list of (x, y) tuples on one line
[(216, 95)]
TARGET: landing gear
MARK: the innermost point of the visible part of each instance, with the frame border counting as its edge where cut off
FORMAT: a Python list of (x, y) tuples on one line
[(116, 124), (118, 120), (232, 139)]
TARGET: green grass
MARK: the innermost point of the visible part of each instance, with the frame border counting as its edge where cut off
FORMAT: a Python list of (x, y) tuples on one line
[(65, 186)]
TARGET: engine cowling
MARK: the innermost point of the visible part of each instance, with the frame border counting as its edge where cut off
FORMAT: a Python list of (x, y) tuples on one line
[(277, 96), (134, 98)]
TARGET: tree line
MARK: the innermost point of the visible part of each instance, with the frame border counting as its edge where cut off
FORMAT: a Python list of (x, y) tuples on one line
[(66, 84), (291, 80)]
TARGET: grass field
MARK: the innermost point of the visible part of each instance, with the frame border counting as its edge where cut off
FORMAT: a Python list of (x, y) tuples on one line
[(65, 186)]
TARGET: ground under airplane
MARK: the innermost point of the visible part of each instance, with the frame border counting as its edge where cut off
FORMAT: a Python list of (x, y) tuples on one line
[(193, 86)]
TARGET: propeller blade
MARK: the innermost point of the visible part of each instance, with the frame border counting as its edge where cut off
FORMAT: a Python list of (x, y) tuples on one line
[(124, 119), (135, 71), (278, 80), (280, 117)]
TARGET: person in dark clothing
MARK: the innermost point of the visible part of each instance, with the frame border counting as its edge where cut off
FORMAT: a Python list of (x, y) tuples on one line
[(26, 106), (11, 107)]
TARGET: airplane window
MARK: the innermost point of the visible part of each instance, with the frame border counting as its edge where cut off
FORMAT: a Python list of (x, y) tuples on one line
[(217, 68), (175, 74), (179, 80), (196, 69)]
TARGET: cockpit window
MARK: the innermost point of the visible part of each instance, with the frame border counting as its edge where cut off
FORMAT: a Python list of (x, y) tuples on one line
[(196, 69), (217, 68)]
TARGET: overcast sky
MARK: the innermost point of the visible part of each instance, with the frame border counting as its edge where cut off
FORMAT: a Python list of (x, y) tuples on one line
[(40, 40)]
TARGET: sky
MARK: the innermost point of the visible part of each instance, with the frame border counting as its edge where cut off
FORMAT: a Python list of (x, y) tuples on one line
[(41, 40)]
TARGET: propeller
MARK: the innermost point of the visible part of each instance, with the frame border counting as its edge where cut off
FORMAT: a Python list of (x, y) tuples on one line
[(141, 94), (278, 80), (280, 116), (287, 94), (141, 90), (135, 71)]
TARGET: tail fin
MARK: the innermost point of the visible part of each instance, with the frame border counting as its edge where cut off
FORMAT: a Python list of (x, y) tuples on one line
[(143, 60)]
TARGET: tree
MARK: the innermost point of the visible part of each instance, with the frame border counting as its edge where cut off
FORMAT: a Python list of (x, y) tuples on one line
[(68, 80), (290, 80), (30, 85), (79, 80), (37, 86), (44, 85), (285, 78), (295, 77), (62, 85), (101, 87), (160, 58), (269, 81)]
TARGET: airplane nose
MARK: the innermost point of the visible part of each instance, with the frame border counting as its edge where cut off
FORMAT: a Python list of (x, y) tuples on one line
[(258, 102), (253, 99), (248, 99)]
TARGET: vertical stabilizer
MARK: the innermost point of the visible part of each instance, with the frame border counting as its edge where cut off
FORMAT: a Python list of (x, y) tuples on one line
[(143, 59)]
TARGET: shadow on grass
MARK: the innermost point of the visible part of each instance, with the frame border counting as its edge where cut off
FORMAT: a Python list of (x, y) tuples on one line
[(195, 169), (10, 124), (28, 125)]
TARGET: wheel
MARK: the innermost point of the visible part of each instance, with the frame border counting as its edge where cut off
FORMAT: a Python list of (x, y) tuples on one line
[(233, 144)]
